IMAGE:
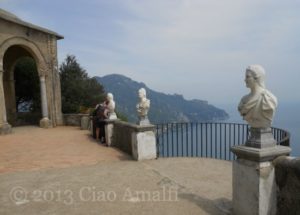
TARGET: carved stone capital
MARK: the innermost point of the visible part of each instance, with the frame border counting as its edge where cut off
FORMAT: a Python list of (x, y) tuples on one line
[(42, 70)]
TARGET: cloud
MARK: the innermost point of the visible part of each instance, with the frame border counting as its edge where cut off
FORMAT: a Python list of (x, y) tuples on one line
[(196, 48), (208, 40)]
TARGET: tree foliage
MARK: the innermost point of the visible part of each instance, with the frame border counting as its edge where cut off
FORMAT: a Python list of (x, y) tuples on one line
[(27, 85), (122, 116), (77, 88)]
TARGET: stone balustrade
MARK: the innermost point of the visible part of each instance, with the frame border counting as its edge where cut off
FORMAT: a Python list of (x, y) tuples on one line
[(74, 119), (138, 141)]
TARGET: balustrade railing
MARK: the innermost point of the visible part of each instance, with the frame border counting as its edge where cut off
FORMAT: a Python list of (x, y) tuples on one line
[(206, 139)]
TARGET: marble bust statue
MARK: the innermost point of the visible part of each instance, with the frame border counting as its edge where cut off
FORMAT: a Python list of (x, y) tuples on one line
[(111, 106), (143, 107), (257, 107)]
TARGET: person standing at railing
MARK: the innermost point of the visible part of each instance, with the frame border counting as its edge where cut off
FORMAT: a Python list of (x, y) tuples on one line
[(99, 115), (258, 107)]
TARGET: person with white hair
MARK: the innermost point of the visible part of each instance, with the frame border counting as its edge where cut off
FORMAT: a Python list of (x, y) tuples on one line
[(257, 107)]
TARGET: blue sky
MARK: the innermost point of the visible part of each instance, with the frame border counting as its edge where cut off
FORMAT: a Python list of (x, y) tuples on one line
[(197, 48)]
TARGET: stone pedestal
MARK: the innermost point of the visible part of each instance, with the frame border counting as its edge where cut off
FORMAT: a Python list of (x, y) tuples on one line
[(85, 122), (143, 121), (144, 143), (45, 123), (109, 131), (113, 116), (254, 187), (261, 138), (5, 129)]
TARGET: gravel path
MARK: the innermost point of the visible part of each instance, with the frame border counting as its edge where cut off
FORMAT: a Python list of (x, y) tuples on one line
[(33, 148), (167, 186)]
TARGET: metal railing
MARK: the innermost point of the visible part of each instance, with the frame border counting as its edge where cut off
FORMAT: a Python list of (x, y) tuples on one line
[(206, 139)]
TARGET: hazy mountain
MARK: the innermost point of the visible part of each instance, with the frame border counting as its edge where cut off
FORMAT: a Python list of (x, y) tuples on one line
[(164, 107)]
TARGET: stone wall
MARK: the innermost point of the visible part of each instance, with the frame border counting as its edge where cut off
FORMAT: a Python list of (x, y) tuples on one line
[(27, 118), (73, 119), (287, 170), (122, 136), (138, 141)]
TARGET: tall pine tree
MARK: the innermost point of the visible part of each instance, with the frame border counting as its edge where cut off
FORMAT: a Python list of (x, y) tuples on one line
[(77, 89)]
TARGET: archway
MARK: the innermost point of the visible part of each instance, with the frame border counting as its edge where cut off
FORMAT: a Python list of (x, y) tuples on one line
[(21, 87), (18, 40), (12, 51)]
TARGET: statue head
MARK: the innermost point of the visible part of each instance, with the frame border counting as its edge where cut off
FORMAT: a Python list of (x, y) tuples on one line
[(110, 96), (255, 75), (142, 93)]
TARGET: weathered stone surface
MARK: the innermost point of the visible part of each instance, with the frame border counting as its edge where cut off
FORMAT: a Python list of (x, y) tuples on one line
[(5, 129), (254, 188), (261, 138), (45, 123), (19, 39), (85, 122), (109, 131), (138, 141), (122, 136), (144, 145), (73, 119), (287, 171), (256, 154), (143, 121)]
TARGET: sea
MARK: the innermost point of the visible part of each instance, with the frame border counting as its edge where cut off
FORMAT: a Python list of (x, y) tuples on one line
[(287, 117)]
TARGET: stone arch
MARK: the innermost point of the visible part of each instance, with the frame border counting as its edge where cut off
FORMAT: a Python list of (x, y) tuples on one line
[(33, 51), (17, 39), (29, 46)]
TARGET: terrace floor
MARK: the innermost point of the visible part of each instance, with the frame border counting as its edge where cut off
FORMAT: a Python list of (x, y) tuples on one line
[(64, 171)]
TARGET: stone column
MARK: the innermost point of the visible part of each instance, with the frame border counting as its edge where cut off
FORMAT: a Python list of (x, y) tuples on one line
[(44, 122), (109, 130), (10, 100), (5, 128), (254, 185)]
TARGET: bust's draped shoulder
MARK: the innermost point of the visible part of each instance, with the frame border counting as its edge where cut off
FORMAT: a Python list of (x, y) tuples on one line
[(246, 104), (258, 110), (269, 103)]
